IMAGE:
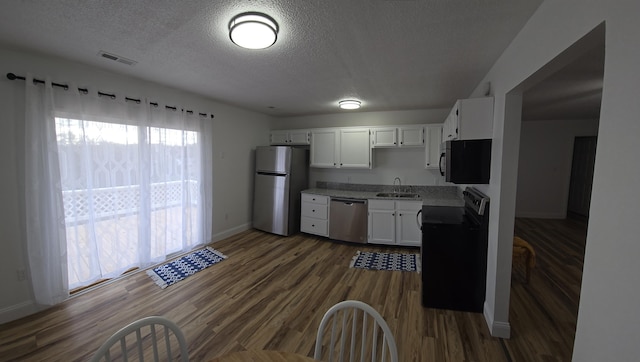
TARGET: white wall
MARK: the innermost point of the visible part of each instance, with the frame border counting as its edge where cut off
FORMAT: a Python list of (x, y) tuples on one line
[(407, 163), (236, 133), (544, 165), (608, 317)]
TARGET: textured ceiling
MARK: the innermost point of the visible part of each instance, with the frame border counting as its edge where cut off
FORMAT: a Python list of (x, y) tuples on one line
[(392, 55)]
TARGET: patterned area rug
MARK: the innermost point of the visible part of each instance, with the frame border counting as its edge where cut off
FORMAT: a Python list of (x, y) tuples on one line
[(177, 270), (386, 261)]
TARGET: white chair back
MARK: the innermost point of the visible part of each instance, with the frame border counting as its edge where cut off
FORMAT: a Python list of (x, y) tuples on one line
[(358, 333), (152, 339)]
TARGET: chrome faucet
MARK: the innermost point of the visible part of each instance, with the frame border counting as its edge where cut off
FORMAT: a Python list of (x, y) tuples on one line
[(394, 184)]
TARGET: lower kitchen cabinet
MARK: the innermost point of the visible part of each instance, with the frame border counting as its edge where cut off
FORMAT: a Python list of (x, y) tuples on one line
[(314, 214), (394, 222)]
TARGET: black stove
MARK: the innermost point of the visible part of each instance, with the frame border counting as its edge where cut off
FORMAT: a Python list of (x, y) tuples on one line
[(454, 253)]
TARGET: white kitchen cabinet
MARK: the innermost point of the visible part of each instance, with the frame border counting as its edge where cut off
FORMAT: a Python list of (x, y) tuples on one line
[(433, 137), (469, 119), (381, 222), (403, 136), (314, 214), (290, 137), (340, 148), (355, 151), (384, 137), (411, 136), (394, 222), (324, 146), (407, 229)]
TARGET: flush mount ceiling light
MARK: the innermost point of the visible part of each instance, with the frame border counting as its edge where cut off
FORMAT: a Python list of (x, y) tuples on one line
[(349, 104), (253, 30)]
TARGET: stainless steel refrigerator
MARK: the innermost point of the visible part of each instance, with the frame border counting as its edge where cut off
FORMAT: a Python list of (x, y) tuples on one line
[(281, 173)]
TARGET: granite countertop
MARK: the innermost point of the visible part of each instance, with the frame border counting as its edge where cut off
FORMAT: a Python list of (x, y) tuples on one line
[(429, 195)]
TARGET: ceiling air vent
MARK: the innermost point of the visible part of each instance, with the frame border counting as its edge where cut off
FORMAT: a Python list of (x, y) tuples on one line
[(116, 58)]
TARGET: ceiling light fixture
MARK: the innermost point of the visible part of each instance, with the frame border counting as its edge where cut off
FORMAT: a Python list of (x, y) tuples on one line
[(349, 104), (253, 30)]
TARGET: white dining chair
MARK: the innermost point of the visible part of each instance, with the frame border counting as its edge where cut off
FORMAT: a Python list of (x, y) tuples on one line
[(149, 337), (358, 333)]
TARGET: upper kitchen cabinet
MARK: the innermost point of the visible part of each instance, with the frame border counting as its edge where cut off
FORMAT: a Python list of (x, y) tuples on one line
[(384, 137), (433, 137), (411, 136), (340, 148), (290, 137), (404, 136), (469, 119)]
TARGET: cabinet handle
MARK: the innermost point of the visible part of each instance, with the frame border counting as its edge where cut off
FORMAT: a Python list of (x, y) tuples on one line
[(313, 210), (313, 225)]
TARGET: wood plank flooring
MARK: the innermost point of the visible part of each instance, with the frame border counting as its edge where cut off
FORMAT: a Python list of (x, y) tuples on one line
[(272, 292)]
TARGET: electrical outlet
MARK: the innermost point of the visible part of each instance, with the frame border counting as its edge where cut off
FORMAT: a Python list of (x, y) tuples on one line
[(21, 273)]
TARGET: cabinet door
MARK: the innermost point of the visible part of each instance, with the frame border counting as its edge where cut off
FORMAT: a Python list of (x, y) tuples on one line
[(474, 118), (299, 137), (411, 136), (433, 137), (384, 137), (450, 127), (382, 226), (355, 151), (407, 229), (323, 148), (279, 137)]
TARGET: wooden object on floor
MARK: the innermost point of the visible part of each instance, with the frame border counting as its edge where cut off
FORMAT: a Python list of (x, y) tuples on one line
[(524, 257), (355, 331), (263, 356), (272, 291), (153, 338)]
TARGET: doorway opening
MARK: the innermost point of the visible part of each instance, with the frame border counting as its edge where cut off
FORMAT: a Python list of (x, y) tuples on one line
[(558, 136)]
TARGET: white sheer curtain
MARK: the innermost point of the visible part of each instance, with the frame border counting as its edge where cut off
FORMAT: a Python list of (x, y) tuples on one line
[(130, 179)]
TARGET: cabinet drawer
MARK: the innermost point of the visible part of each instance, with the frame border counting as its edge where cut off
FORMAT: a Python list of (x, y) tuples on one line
[(316, 199), (314, 226), (315, 211)]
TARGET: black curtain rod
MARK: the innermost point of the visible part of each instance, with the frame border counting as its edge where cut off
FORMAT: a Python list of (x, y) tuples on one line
[(12, 76)]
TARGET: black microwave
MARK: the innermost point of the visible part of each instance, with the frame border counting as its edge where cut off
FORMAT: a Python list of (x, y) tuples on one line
[(466, 161)]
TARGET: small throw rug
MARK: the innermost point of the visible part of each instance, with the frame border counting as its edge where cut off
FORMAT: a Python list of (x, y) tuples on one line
[(386, 261), (177, 270)]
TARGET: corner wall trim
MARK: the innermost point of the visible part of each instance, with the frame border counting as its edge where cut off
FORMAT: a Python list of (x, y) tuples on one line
[(497, 329)]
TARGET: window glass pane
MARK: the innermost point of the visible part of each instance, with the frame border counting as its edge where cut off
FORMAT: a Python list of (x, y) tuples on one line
[(131, 195)]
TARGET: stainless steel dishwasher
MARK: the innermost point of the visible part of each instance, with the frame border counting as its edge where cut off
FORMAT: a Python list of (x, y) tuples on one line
[(348, 220)]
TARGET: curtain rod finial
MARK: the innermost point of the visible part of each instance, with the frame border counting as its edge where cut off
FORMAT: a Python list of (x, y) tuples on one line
[(11, 76)]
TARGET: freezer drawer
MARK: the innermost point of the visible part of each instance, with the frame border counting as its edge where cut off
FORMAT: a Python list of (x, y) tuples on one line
[(271, 203)]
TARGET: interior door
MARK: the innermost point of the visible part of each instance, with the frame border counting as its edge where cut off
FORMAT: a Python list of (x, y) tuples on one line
[(584, 157)]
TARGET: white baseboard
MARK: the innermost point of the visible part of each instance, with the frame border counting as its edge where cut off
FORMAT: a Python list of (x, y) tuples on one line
[(17, 311), (497, 329), (230, 232)]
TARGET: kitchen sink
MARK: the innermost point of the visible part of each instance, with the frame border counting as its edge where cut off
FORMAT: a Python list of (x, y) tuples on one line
[(404, 195)]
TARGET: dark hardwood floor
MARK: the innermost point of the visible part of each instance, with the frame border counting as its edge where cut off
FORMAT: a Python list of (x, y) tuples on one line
[(272, 292)]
